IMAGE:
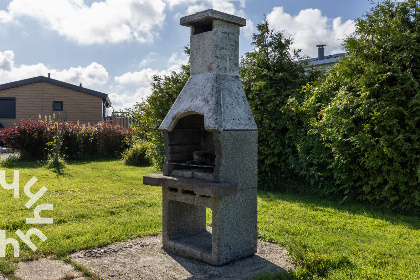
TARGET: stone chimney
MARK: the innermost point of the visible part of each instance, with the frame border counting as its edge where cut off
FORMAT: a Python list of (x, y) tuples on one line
[(321, 54)]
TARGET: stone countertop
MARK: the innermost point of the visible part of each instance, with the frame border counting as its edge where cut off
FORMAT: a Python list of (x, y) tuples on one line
[(198, 186)]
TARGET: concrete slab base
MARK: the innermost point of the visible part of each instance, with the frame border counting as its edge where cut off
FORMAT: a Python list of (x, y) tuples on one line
[(47, 269), (144, 258)]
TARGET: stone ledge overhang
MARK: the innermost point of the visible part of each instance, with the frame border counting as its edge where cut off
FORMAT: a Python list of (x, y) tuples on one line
[(213, 15), (198, 186)]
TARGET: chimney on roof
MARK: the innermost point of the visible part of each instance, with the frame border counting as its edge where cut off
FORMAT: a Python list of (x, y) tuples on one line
[(49, 75), (80, 84), (321, 55)]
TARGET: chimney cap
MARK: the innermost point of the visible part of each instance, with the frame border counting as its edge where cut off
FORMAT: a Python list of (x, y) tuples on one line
[(321, 46), (211, 14)]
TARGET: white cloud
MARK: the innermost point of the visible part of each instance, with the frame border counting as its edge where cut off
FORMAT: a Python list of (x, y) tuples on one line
[(176, 60), (122, 100), (310, 28), (7, 60), (194, 6), (234, 7), (150, 58), (139, 81), (249, 29), (140, 78), (104, 21), (4, 16), (144, 77), (93, 74)]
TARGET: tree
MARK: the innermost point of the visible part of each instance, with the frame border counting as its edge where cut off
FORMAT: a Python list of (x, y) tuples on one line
[(147, 116), (366, 113), (270, 75)]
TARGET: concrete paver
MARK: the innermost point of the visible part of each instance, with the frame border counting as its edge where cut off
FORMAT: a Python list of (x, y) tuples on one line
[(144, 258), (47, 269)]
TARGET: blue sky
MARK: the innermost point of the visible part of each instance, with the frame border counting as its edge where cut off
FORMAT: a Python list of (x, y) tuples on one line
[(115, 46)]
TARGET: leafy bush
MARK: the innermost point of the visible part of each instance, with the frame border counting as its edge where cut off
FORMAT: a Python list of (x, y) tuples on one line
[(35, 139), (147, 116), (111, 139), (364, 118), (30, 137), (270, 75), (73, 142), (137, 154)]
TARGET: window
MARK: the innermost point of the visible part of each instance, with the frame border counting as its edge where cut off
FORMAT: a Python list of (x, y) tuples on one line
[(7, 107), (58, 106)]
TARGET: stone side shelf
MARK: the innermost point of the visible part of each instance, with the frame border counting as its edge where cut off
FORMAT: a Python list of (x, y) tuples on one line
[(191, 185)]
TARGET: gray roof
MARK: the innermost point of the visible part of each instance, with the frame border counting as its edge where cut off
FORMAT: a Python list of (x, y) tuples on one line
[(38, 79)]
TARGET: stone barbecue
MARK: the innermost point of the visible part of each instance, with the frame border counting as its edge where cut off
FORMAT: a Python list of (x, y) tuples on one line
[(211, 147)]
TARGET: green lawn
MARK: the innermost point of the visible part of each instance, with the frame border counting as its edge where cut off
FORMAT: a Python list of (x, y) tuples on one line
[(101, 202)]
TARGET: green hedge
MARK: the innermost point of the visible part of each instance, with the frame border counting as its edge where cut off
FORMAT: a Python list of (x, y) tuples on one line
[(363, 120), (34, 139)]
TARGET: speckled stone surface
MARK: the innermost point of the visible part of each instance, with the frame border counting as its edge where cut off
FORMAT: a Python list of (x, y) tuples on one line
[(214, 94), (219, 97), (47, 269), (144, 258), (213, 14)]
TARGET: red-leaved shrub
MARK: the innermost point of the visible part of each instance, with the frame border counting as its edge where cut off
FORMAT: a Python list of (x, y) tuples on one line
[(30, 137), (33, 139)]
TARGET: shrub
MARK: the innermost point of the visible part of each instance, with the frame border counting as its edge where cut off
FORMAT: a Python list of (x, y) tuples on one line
[(270, 75), (366, 114), (138, 154), (30, 137), (111, 139), (147, 116), (35, 139), (72, 140)]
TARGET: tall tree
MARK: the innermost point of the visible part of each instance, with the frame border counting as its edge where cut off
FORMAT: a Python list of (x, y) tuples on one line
[(148, 115), (367, 111), (270, 75)]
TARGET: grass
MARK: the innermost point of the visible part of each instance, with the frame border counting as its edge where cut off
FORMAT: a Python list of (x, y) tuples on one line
[(95, 204), (340, 241), (101, 202)]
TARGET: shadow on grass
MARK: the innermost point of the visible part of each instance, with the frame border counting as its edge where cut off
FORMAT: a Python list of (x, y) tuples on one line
[(16, 162), (409, 219), (87, 160)]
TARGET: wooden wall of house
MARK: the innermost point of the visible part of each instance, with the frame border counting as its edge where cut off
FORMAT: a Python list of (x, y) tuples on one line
[(37, 99)]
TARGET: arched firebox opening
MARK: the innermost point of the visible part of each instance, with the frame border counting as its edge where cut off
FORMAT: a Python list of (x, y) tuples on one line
[(190, 149)]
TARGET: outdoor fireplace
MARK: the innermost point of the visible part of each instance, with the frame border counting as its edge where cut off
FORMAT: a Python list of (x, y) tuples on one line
[(190, 150), (210, 139)]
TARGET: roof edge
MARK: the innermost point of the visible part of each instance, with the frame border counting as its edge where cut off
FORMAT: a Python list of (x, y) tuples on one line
[(57, 83)]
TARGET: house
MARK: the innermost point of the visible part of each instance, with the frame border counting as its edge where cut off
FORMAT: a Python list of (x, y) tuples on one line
[(47, 97), (322, 62)]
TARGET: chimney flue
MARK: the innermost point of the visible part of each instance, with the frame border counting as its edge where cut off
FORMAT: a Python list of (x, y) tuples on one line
[(321, 54), (49, 75)]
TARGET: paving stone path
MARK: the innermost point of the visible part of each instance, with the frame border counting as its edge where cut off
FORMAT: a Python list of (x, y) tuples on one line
[(47, 269), (144, 258)]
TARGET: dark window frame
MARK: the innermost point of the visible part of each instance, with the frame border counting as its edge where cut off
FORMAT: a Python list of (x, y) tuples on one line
[(58, 102), (13, 115)]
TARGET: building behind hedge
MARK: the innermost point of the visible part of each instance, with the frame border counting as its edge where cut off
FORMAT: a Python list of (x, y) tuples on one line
[(322, 61), (47, 97)]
